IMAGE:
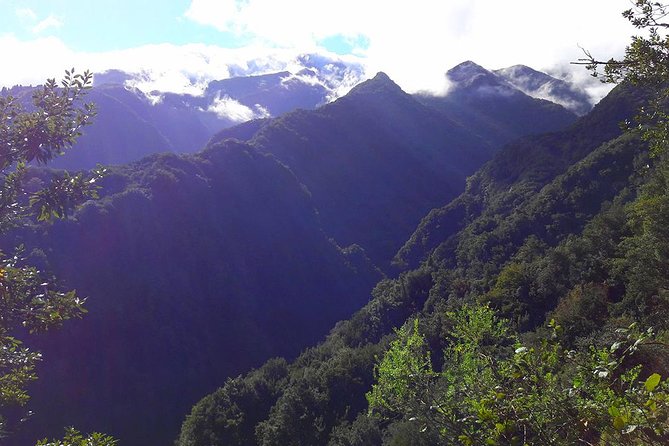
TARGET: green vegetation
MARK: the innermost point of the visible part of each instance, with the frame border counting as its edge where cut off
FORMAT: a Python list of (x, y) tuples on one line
[(30, 299), (256, 277), (646, 63), (494, 389), (75, 438), (590, 380), (574, 249), (257, 273)]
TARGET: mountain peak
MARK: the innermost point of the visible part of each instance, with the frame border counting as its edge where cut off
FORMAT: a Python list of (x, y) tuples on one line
[(381, 77), (524, 75), (520, 70), (112, 76), (470, 76), (381, 83), (466, 71), (468, 64)]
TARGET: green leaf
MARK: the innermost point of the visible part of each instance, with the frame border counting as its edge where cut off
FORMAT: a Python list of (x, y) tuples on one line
[(619, 423), (465, 440), (652, 405), (652, 382)]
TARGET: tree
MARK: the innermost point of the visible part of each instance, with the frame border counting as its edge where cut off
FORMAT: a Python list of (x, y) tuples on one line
[(645, 64), (31, 300), (75, 438)]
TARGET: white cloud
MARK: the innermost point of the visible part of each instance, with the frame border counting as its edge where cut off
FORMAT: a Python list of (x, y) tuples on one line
[(200, 64), (34, 60), (48, 23), (416, 41), (25, 14), (31, 21), (578, 75), (153, 66), (227, 108)]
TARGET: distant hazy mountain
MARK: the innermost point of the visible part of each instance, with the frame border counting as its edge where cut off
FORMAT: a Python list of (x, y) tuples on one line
[(133, 123), (543, 86), (493, 108)]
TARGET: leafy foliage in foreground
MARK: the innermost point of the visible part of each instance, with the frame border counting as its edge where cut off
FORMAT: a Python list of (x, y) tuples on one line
[(31, 300), (645, 63), (75, 438), (494, 389)]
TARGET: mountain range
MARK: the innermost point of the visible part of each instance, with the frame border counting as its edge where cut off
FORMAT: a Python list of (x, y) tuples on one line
[(132, 123), (537, 226), (201, 266)]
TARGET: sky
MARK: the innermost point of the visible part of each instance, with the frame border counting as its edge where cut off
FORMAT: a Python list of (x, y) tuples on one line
[(178, 45)]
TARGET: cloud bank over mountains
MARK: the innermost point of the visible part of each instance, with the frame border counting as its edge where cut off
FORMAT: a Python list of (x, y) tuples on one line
[(182, 69), (413, 42)]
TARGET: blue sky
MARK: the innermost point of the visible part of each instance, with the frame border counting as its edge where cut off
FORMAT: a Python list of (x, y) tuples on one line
[(105, 25), (414, 41)]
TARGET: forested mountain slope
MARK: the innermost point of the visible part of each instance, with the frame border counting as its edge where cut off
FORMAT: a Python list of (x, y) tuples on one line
[(133, 123), (378, 159), (205, 265), (374, 162), (196, 267), (520, 171), (521, 239)]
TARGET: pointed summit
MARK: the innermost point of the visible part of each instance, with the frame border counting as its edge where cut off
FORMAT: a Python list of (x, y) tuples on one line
[(379, 84), (519, 70), (381, 77), (469, 75), (493, 107), (466, 70)]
